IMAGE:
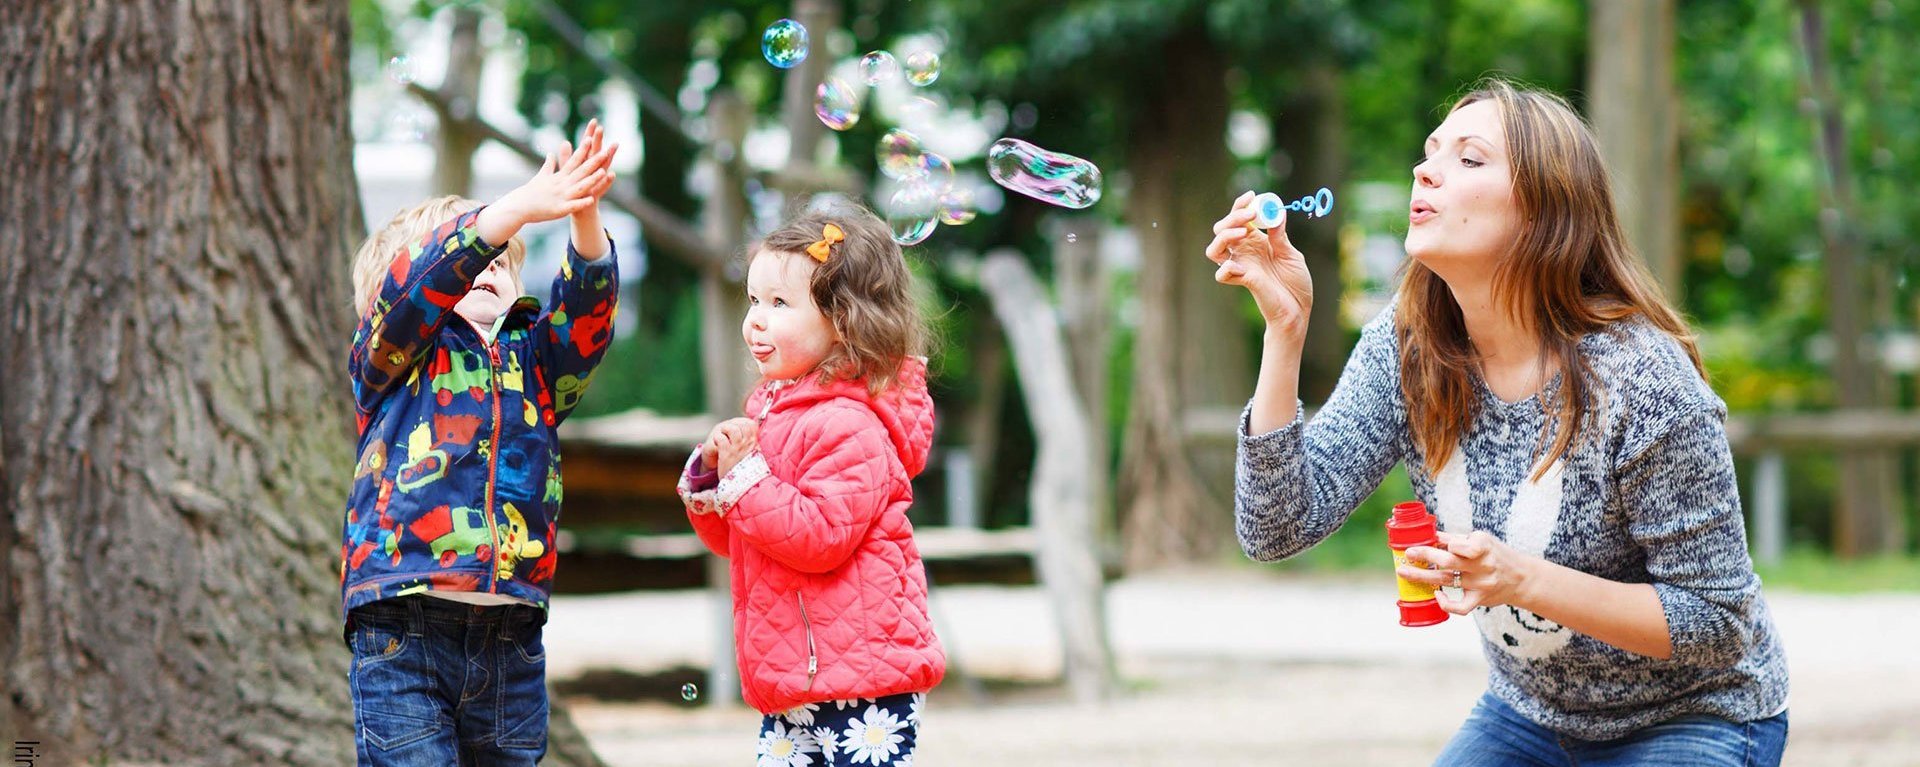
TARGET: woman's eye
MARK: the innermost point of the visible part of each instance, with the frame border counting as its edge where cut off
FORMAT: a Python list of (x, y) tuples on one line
[(1470, 162)]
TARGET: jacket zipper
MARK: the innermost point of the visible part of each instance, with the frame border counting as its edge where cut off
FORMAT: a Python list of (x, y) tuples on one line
[(493, 464), (813, 659)]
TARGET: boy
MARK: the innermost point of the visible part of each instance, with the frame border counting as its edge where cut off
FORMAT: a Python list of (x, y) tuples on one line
[(458, 386)]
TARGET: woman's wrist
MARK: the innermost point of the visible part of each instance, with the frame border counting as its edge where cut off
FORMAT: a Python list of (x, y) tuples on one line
[(1289, 336)]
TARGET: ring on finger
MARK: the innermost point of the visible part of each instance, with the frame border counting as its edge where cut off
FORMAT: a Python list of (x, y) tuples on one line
[(1456, 579)]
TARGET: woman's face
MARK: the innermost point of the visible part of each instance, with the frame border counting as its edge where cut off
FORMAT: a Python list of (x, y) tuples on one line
[(1463, 215)]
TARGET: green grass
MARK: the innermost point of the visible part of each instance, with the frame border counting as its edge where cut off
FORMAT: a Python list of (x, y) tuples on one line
[(1360, 547), (1805, 569)]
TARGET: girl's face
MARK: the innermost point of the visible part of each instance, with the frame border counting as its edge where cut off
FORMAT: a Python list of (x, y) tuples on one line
[(1463, 214), (784, 330)]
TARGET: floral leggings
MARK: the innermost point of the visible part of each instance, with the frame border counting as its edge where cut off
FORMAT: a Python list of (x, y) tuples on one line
[(870, 731)]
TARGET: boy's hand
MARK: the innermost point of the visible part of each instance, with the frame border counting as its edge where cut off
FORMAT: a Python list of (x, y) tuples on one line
[(736, 439), (563, 186), (589, 240)]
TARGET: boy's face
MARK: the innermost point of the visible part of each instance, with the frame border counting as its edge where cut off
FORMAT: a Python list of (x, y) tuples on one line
[(493, 291), (784, 330)]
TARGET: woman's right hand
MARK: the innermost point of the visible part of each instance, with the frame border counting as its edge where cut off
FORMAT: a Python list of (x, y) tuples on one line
[(1266, 264)]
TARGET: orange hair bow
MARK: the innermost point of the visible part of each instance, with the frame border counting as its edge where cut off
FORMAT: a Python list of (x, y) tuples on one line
[(823, 247)]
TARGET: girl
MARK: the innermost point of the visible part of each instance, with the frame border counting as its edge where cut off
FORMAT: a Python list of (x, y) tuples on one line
[(808, 498), (1551, 407)]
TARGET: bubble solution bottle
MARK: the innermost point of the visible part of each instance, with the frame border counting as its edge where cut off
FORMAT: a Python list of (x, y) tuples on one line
[(1411, 526)]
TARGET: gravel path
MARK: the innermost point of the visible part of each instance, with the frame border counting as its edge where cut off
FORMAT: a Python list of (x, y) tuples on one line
[(1222, 667)]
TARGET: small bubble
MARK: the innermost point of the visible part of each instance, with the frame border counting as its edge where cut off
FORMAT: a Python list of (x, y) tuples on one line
[(913, 213), (956, 207), (1071, 237), (937, 170), (400, 69), (689, 692), (1060, 179), (878, 66), (923, 68), (899, 154), (784, 43), (837, 104)]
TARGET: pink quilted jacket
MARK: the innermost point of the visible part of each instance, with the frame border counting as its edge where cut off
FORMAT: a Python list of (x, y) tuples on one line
[(829, 595)]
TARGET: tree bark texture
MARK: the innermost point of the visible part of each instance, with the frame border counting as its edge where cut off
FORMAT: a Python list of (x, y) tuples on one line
[(176, 230), (1191, 351)]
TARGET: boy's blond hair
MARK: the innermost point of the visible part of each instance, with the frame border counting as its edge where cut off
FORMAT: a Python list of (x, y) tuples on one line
[(407, 227)]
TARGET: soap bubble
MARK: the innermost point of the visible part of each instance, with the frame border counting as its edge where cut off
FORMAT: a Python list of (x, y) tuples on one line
[(784, 44), (913, 213), (837, 104), (689, 692), (899, 154), (878, 66), (1060, 179), (923, 68), (400, 69), (936, 169), (956, 207)]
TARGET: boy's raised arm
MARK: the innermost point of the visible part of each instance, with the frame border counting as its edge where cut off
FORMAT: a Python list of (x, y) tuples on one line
[(418, 294), (573, 337), (416, 298)]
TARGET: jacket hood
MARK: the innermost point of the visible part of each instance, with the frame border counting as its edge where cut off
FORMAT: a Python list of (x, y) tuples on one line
[(905, 408)]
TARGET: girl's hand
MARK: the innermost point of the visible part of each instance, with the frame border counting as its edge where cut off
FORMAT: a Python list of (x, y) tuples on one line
[(738, 437), (1266, 264), (1491, 573)]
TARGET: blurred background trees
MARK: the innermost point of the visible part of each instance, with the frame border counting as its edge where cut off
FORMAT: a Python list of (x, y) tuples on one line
[(1758, 149)]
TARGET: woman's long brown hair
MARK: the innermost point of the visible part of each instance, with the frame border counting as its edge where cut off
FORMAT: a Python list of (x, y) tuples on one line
[(1570, 272)]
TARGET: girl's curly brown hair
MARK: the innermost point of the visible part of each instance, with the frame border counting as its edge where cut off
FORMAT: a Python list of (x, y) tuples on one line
[(863, 288)]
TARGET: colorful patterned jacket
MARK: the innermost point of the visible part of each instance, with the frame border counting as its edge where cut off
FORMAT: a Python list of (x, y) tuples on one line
[(457, 486)]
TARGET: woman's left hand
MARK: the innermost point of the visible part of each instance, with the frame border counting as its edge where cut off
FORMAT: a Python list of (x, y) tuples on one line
[(1487, 571)]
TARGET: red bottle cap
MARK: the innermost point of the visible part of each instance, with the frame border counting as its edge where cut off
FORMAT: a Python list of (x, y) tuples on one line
[(1411, 525), (1423, 613)]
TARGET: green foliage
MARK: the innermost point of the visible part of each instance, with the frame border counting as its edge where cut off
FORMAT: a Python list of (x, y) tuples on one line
[(1813, 570)]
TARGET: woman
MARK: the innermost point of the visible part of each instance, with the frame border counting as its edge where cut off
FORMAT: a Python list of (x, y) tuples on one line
[(1552, 409)]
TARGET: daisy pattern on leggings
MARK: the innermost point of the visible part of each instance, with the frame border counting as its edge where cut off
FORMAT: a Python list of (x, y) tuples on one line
[(874, 737), (784, 747)]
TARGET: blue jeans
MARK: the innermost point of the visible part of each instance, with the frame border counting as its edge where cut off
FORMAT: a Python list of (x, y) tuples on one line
[(1495, 734), (444, 683)]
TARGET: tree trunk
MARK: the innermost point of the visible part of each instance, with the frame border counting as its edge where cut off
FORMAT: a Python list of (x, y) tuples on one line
[(457, 140), (1190, 352), (1636, 115), (174, 420), (1867, 519), (1066, 489), (180, 216), (1309, 125)]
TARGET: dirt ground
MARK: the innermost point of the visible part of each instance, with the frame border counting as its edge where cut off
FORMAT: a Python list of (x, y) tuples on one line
[(1239, 678)]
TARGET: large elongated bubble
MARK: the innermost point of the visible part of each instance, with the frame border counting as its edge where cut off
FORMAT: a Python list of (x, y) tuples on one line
[(784, 43), (1060, 179)]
